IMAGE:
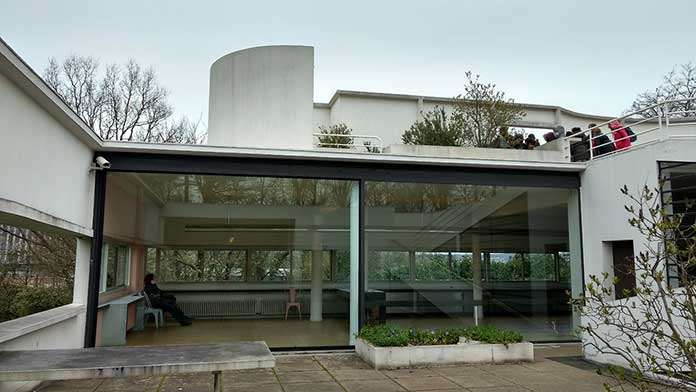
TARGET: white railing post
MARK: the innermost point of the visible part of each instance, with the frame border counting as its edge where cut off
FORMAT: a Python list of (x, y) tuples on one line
[(589, 139), (664, 131)]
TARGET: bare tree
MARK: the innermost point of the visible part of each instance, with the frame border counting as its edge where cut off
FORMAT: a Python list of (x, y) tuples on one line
[(122, 103), (653, 328), (481, 110), (36, 271), (679, 83)]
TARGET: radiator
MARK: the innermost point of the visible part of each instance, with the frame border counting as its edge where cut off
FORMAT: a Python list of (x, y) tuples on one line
[(219, 309), (245, 307)]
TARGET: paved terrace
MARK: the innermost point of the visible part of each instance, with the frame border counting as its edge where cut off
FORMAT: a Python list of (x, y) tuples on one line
[(557, 368)]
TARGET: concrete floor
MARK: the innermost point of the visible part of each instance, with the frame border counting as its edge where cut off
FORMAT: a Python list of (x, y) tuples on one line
[(557, 368), (295, 333), (276, 333)]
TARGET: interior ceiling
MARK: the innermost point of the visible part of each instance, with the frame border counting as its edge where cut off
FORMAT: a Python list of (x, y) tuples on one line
[(511, 221), (509, 229)]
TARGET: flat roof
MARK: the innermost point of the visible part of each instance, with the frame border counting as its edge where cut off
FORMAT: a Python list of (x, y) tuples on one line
[(336, 156)]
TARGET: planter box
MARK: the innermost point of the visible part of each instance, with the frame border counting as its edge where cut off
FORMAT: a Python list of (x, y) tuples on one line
[(446, 354)]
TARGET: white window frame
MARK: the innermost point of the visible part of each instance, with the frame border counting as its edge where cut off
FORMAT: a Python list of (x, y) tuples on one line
[(105, 269)]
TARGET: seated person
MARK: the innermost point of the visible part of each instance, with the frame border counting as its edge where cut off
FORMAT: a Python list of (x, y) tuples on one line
[(164, 301)]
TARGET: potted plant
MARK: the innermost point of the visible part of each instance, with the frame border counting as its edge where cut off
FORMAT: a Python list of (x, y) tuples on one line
[(388, 346)]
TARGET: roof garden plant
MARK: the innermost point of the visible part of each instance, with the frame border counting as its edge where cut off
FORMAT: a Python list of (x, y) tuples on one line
[(386, 335)]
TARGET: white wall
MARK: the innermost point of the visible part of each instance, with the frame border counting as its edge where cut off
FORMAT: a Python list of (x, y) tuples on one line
[(321, 116), (263, 97), (389, 115), (44, 168), (386, 118), (58, 328), (45, 183), (603, 215)]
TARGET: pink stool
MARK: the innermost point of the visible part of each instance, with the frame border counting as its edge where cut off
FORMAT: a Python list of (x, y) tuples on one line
[(293, 303)]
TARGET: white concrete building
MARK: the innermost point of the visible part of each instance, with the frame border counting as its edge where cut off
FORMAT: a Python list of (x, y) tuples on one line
[(415, 235)]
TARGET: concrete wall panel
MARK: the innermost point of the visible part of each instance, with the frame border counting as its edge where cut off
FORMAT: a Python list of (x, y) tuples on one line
[(43, 166), (263, 97)]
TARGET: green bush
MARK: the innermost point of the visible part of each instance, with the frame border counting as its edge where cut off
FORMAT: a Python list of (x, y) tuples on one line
[(385, 335), (8, 295), (19, 301)]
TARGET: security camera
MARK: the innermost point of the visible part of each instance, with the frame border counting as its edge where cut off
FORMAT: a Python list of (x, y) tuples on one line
[(102, 163)]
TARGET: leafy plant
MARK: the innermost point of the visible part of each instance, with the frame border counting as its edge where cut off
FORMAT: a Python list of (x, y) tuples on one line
[(385, 335), (480, 118), (336, 136), (435, 129), (482, 110), (19, 301)]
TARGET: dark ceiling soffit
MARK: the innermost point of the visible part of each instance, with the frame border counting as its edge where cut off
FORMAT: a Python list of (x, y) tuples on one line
[(340, 170)]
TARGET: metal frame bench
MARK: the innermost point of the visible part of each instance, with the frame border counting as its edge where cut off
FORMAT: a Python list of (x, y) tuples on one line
[(110, 362)]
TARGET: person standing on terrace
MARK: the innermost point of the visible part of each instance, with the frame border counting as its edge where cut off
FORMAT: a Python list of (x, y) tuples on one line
[(622, 139), (601, 145)]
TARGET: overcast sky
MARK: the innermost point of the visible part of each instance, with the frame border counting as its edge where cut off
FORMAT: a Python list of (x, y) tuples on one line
[(590, 56)]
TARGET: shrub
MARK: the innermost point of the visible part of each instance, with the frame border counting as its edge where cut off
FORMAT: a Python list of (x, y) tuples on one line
[(385, 335), (19, 301), (8, 297)]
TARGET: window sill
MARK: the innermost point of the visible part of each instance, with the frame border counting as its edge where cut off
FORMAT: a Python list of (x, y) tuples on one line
[(114, 289), (25, 325)]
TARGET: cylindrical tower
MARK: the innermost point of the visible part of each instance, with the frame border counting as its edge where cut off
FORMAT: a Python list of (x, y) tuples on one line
[(262, 97)]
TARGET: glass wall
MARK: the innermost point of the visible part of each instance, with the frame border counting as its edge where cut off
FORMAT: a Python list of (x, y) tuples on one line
[(239, 253), (444, 255)]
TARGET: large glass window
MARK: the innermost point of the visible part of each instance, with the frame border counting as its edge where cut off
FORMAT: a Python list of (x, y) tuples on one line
[(442, 255), (236, 251), (115, 266), (678, 199), (388, 266)]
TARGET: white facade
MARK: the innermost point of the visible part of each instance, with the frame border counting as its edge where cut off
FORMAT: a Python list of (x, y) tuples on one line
[(387, 116), (262, 97), (604, 217), (45, 184)]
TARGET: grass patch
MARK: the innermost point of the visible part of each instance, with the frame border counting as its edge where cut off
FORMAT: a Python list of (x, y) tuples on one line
[(385, 335)]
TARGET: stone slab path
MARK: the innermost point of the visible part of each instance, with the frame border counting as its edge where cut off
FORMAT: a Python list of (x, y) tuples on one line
[(556, 369)]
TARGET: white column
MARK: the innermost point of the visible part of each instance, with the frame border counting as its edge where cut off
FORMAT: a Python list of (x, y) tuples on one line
[(316, 296), (354, 252), (83, 251), (476, 281), (81, 282), (575, 250)]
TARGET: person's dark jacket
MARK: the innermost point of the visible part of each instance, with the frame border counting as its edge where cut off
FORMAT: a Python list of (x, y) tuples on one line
[(580, 151), (602, 145), (158, 297)]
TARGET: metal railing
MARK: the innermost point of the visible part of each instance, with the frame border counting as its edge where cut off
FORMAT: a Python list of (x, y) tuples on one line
[(659, 114), (367, 143)]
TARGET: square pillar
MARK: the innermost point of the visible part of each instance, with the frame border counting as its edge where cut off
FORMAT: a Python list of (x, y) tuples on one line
[(81, 281), (317, 293)]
